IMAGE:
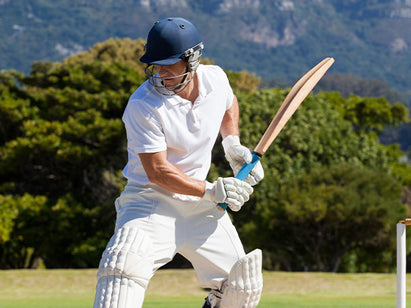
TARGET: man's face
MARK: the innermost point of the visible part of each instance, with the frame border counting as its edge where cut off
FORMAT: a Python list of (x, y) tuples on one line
[(170, 79), (172, 75)]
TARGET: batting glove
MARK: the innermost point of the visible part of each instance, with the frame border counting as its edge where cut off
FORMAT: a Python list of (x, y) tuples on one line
[(229, 190), (237, 155)]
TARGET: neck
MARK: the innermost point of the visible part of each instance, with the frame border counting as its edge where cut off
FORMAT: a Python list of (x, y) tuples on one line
[(191, 91)]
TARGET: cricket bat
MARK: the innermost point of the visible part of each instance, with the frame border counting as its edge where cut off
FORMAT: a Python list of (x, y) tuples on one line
[(290, 104)]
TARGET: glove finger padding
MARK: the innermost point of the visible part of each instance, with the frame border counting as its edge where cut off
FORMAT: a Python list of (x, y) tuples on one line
[(230, 190), (237, 192)]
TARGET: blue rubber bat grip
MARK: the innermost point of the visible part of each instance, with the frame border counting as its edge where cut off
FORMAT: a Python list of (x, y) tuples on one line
[(243, 173)]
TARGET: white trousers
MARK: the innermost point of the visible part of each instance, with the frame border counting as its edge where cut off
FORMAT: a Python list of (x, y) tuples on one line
[(152, 226)]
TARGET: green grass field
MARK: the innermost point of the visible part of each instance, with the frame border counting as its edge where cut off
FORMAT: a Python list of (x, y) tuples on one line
[(179, 288)]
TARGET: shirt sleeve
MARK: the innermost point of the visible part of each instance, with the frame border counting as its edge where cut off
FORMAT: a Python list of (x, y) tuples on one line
[(224, 82), (144, 131)]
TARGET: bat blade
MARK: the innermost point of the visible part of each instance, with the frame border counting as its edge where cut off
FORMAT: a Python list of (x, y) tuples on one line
[(292, 101)]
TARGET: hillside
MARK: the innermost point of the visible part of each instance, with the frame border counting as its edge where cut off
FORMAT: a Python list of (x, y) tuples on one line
[(273, 38), (278, 40)]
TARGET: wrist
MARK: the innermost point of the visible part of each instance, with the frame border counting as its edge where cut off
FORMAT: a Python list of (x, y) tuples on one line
[(209, 191), (230, 141)]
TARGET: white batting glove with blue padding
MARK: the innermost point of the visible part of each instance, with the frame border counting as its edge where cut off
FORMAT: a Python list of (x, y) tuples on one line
[(237, 155), (229, 190)]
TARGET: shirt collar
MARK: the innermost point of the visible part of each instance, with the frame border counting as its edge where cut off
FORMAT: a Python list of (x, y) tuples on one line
[(176, 99)]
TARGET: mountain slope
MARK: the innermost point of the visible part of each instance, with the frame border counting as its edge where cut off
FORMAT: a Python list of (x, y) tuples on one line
[(273, 38)]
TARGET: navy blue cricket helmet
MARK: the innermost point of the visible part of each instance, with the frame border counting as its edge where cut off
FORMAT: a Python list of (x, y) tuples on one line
[(171, 40)]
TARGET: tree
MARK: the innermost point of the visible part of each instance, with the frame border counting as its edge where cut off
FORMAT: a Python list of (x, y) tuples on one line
[(63, 146), (328, 141), (332, 213), (63, 139), (16, 236), (243, 81), (347, 85)]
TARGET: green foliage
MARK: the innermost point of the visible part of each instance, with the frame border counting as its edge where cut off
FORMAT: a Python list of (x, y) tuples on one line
[(313, 223), (243, 81), (370, 114), (325, 168), (17, 225), (63, 138), (63, 146), (347, 84)]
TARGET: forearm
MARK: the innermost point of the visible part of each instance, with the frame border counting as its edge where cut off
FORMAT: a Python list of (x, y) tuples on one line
[(175, 181), (161, 172), (229, 125)]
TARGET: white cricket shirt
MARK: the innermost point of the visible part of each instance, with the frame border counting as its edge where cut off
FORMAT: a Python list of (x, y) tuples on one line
[(187, 131)]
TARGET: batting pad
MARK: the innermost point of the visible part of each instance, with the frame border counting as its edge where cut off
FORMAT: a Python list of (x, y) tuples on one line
[(245, 282), (125, 270)]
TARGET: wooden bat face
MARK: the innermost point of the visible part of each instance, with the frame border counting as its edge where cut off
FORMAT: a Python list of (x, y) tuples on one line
[(292, 101)]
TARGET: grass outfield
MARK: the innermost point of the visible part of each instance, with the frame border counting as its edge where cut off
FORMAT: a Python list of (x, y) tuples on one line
[(179, 288)]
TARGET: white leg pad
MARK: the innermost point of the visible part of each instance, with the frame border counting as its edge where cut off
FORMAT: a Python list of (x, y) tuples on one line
[(116, 292), (125, 270), (245, 282)]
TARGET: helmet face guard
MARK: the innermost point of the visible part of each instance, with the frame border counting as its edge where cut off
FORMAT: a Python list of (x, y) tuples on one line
[(160, 83), (192, 57)]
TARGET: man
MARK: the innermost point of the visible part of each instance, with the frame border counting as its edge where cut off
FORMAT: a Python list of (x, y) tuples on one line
[(172, 122)]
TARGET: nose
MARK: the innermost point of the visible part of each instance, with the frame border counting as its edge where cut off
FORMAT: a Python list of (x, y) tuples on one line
[(163, 71)]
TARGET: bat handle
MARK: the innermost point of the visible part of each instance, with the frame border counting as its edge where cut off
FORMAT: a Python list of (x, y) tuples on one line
[(243, 173)]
